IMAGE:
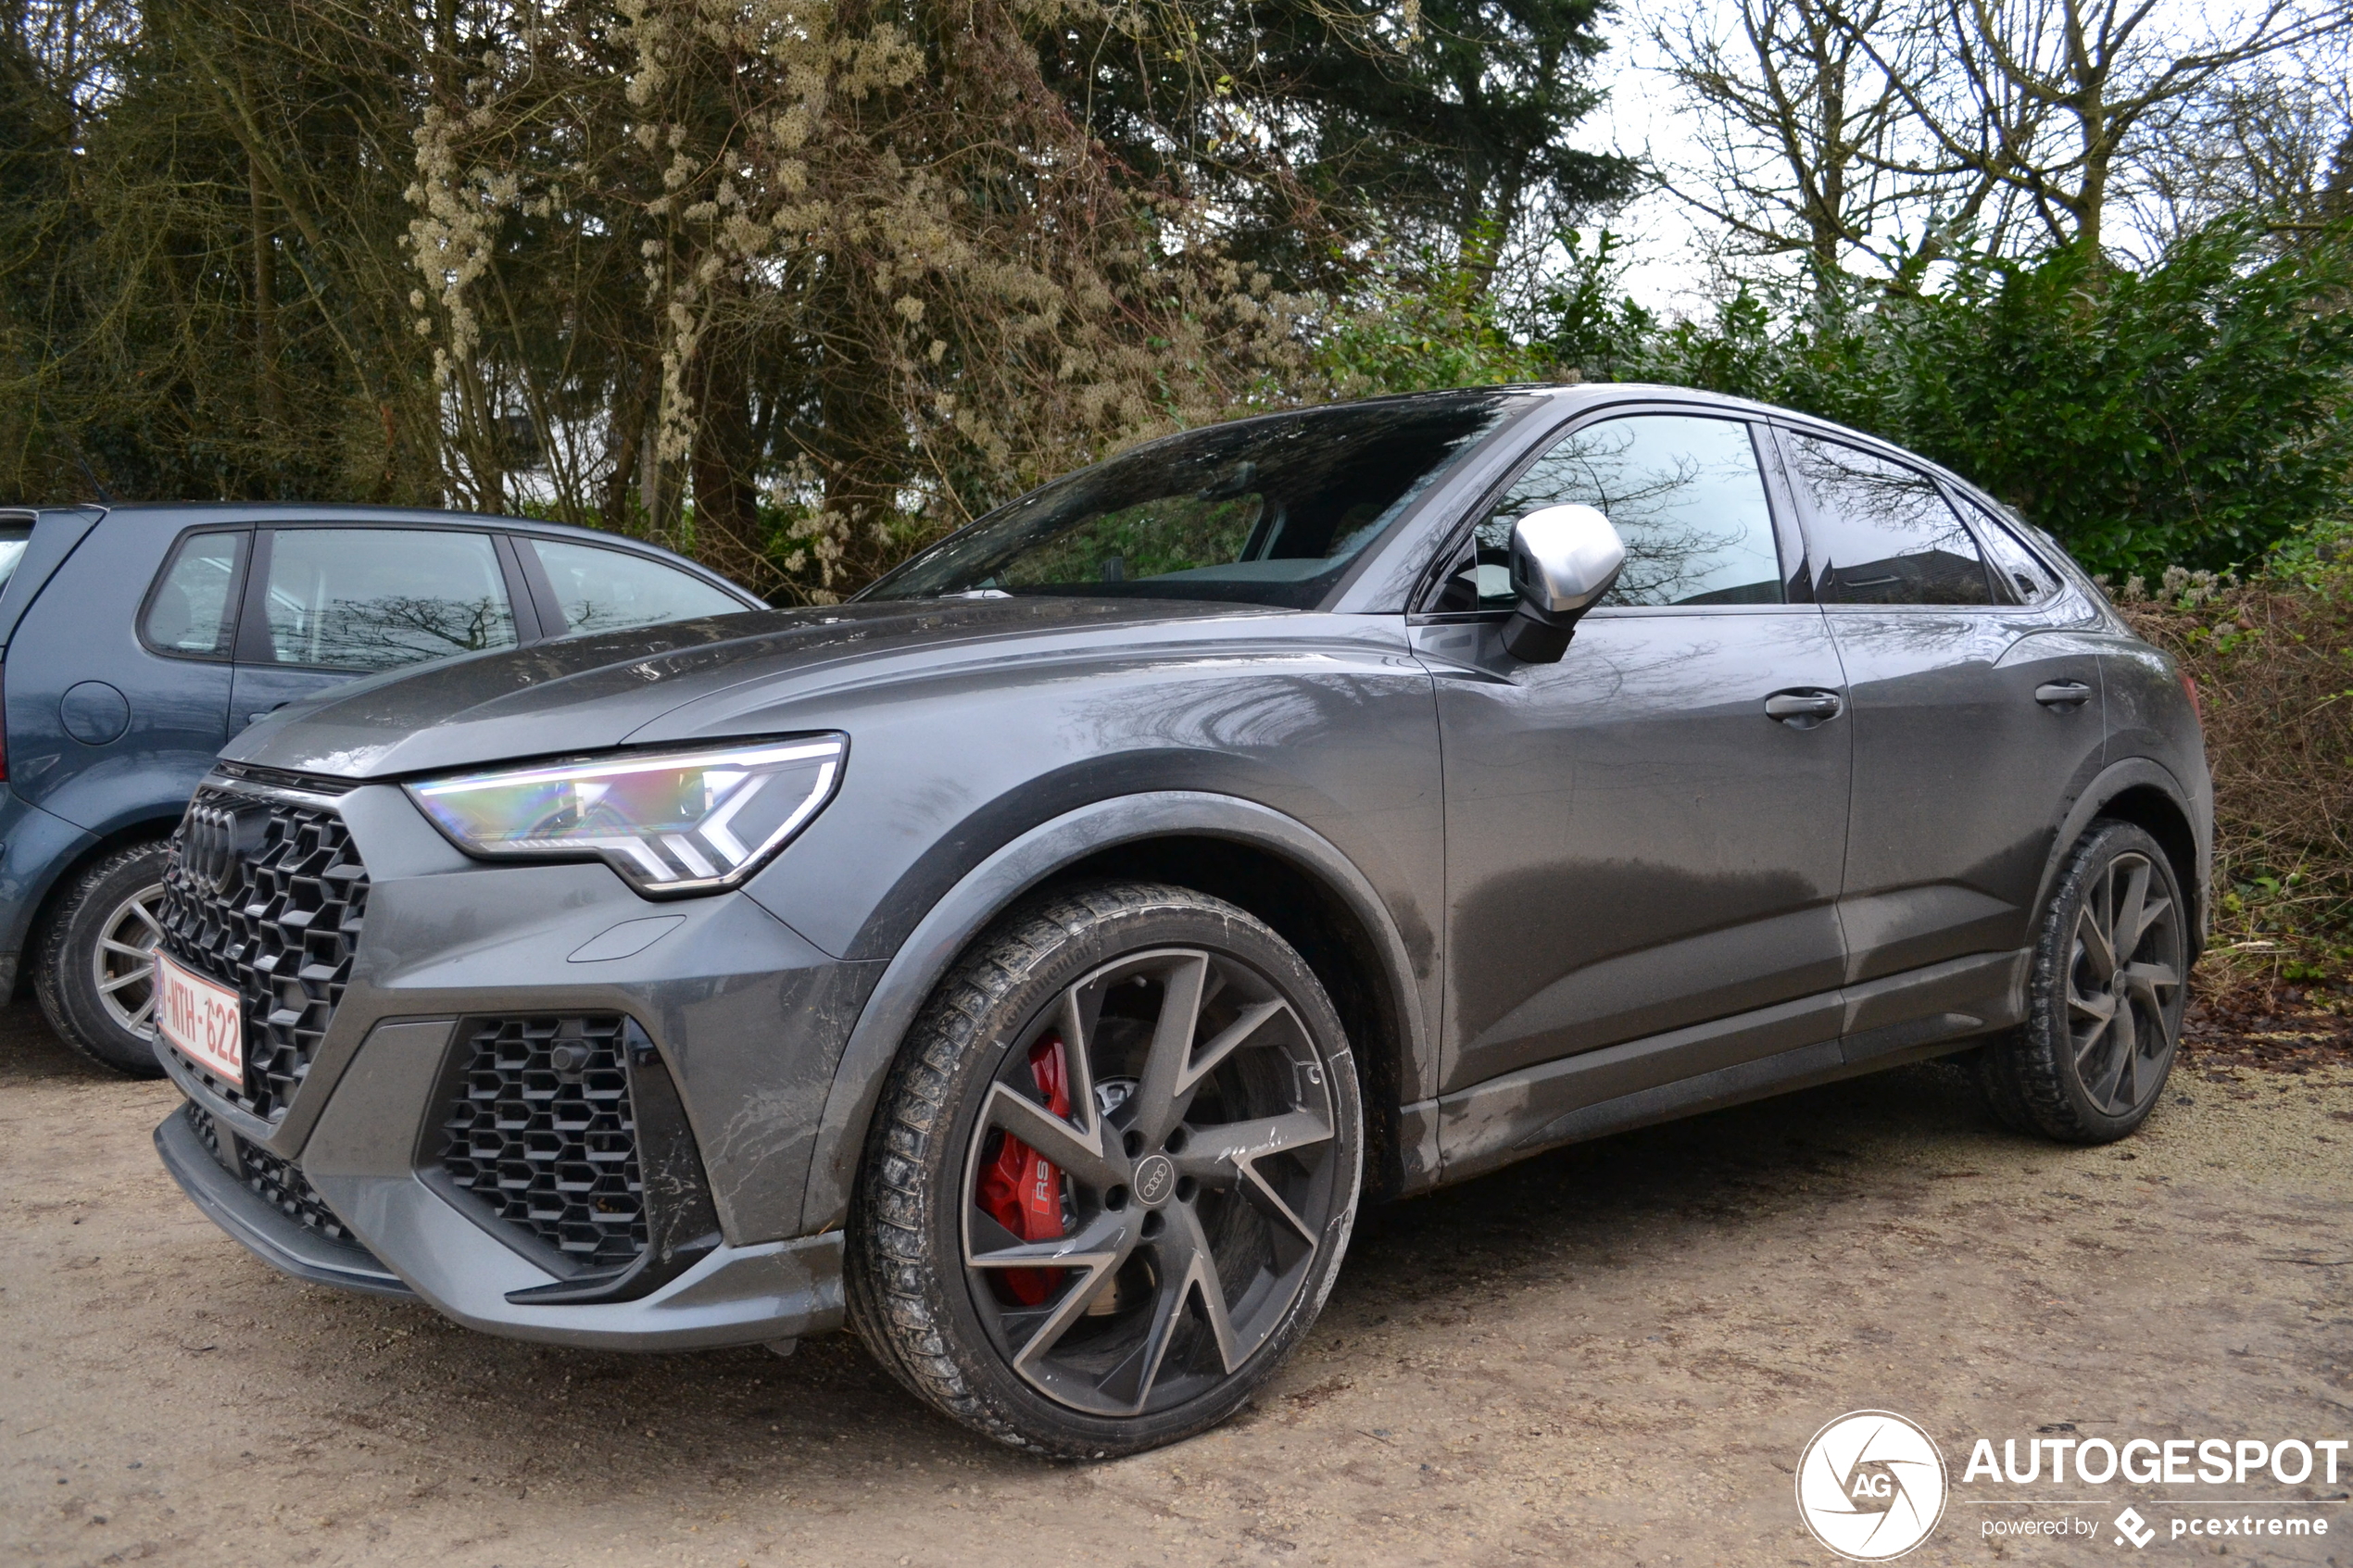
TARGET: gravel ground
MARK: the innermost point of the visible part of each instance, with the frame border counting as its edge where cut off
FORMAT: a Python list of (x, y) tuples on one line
[(1612, 1354)]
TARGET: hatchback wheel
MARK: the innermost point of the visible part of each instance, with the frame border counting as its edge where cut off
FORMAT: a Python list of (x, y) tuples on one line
[(94, 961), (1111, 1177), (2110, 979)]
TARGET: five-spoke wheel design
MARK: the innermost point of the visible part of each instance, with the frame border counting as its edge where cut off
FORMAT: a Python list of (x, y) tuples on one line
[(2125, 973), (1150, 1174), (1112, 1173)]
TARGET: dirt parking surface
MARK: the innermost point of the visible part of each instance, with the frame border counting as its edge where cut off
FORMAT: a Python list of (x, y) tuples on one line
[(1613, 1354)]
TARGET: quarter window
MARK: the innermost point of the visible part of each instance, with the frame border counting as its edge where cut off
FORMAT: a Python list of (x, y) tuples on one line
[(2016, 566), (1685, 495), (375, 598), (602, 590), (194, 609), (1881, 533)]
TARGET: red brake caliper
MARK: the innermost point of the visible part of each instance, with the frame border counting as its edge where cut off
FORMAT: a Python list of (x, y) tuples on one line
[(1022, 1190)]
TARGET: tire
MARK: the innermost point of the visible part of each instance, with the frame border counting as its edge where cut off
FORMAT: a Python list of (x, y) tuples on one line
[(2101, 1029), (1205, 1188), (94, 989)]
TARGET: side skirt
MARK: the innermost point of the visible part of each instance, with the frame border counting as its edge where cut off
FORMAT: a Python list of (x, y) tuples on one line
[(1880, 1023)]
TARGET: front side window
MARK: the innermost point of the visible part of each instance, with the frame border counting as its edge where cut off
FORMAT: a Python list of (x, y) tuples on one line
[(193, 610), (601, 590), (375, 598), (1881, 533), (1685, 495), (1262, 511)]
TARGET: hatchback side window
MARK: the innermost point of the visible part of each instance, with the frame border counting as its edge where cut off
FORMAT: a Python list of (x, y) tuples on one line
[(374, 598), (193, 609), (1881, 533), (600, 590), (1685, 493)]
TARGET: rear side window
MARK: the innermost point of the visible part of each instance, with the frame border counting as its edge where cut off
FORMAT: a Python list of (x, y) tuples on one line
[(2016, 568), (1881, 532), (602, 590), (193, 609), (1684, 494), (375, 598), (14, 537)]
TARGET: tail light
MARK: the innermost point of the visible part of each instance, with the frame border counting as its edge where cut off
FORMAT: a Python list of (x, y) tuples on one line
[(2189, 689)]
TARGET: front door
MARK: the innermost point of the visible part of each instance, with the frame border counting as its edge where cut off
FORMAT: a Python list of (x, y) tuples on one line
[(1975, 721), (1635, 843)]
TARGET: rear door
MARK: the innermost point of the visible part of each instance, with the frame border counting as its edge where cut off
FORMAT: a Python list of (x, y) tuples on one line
[(1633, 843), (1976, 718), (326, 603)]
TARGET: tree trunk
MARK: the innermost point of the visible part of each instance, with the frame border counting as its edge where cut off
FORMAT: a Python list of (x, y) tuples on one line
[(724, 466), (269, 394)]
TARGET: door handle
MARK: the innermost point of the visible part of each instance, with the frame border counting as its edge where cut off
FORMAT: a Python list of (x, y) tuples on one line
[(2067, 695), (1803, 709)]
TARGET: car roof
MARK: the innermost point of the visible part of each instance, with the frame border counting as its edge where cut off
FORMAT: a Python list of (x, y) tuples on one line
[(188, 514)]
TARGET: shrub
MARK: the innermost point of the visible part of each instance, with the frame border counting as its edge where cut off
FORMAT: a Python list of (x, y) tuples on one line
[(2199, 412), (2273, 661)]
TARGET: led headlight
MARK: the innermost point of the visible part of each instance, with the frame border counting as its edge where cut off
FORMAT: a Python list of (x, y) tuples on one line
[(676, 821)]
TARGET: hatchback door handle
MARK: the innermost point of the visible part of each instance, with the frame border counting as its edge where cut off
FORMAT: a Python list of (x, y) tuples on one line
[(1803, 709), (2068, 695)]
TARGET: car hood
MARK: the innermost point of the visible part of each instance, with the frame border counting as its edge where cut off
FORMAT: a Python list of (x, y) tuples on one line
[(582, 694)]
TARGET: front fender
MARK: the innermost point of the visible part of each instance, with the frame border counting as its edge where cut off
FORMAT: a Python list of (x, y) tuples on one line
[(985, 892)]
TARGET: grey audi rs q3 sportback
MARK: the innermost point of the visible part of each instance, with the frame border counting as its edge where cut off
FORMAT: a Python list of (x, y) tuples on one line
[(1035, 959)]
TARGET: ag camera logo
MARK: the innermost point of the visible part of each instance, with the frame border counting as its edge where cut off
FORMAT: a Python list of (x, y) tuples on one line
[(1871, 1485)]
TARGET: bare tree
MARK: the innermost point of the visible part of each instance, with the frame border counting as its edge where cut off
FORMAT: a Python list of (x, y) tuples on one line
[(2051, 101), (2276, 140), (1810, 146)]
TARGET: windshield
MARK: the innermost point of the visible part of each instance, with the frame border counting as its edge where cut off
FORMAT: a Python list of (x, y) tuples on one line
[(1262, 511)]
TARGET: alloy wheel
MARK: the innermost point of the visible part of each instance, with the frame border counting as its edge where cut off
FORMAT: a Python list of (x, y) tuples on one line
[(2123, 978), (122, 964), (1152, 1170)]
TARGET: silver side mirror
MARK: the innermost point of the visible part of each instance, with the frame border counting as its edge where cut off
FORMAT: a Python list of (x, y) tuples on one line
[(1564, 559)]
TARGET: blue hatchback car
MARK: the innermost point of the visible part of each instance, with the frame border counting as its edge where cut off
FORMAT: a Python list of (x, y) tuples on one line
[(135, 640)]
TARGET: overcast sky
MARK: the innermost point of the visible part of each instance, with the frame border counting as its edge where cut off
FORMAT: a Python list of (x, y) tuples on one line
[(1643, 118)]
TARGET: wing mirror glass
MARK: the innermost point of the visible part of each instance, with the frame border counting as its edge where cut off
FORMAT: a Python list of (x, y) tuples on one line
[(1564, 559)]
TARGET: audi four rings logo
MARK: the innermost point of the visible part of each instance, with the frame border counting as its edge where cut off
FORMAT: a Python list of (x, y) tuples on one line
[(209, 843), (1871, 1485), (1155, 1178)]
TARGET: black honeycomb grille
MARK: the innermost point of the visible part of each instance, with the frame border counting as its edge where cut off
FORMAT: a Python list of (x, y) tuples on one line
[(279, 1183), (272, 910), (540, 1128)]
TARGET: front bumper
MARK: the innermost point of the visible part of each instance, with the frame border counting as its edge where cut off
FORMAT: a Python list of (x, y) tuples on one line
[(747, 1020)]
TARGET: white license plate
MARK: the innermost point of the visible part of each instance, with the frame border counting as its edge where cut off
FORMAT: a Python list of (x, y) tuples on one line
[(204, 1022)]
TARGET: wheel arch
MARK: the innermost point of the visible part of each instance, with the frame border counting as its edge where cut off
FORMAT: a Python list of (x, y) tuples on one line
[(1266, 862), (61, 876), (2140, 792)]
